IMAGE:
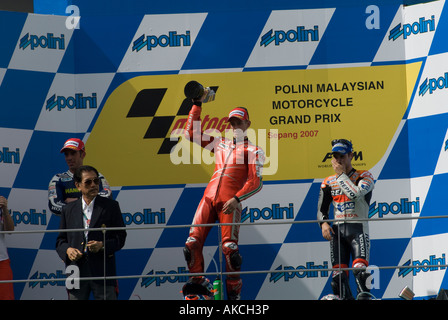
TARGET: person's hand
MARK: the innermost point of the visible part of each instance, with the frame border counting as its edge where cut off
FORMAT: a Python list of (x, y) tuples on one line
[(201, 99), (327, 231), (230, 206), (74, 254), (8, 223), (94, 246), (3, 203), (337, 167)]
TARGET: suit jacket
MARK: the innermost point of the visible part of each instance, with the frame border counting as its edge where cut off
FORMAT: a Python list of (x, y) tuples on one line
[(106, 212)]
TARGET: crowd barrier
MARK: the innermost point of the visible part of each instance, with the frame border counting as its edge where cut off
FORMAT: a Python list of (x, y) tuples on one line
[(315, 71), (221, 272)]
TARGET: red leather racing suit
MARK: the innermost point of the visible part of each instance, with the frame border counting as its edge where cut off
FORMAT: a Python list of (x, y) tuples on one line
[(238, 167)]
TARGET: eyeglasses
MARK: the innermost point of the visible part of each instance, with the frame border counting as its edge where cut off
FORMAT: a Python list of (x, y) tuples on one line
[(88, 182)]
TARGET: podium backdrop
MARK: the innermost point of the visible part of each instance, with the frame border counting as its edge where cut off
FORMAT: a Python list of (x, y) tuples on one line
[(377, 75)]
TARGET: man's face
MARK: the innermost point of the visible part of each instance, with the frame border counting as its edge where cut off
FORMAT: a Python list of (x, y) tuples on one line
[(239, 127), (74, 158), (89, 185), (343, 159)]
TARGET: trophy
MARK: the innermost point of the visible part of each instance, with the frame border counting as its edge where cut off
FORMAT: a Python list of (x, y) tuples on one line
[(194, 90), (406, 293)]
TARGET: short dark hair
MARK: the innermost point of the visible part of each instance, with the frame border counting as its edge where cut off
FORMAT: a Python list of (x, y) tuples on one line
[(78, 173)]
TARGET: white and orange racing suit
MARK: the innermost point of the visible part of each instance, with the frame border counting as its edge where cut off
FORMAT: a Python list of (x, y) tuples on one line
[(350, 195), (238, 167)]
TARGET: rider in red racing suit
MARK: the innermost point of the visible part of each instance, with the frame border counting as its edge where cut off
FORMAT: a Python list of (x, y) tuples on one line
[(349, 191), (237, 176)]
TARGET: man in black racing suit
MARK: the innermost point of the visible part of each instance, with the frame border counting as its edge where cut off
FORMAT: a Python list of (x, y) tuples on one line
[(349, 191), (62, 189)]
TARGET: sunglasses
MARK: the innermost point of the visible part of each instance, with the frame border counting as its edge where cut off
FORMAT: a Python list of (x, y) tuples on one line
[(344, 141), (88, 182)]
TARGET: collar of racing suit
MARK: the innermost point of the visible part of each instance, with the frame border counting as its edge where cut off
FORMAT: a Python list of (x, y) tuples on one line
[(246, 139)]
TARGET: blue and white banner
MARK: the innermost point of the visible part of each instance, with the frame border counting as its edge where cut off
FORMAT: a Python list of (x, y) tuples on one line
[(375, 74)]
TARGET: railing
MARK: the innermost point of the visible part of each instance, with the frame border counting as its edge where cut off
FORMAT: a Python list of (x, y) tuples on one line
[(220, 272)]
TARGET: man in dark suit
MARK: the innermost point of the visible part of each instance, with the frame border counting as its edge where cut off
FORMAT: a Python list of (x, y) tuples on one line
[(86, 250)]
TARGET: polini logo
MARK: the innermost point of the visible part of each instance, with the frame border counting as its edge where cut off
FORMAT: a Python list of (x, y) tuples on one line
[(433, 84), (76, 102), (49, 42), (146, 216), (275, 212), (404, 207), (7, 156), (55, 278), (420, 26), (172, 39), (309, 270), (415, 266), (160, 277), (300, 34), (32, 217)]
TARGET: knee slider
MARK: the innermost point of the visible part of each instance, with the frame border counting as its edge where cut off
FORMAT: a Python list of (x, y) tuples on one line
[(230, 249), (361, 276), (190, 246)]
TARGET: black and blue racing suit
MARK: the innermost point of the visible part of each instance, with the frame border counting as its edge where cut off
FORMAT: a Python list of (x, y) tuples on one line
[(62, 186), (350, 195)]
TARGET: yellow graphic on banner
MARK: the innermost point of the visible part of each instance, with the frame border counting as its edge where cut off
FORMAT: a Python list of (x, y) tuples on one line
[(294, 114)]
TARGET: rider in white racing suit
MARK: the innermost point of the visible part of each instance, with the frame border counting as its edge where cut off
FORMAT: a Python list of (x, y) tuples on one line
[(349, 191)]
